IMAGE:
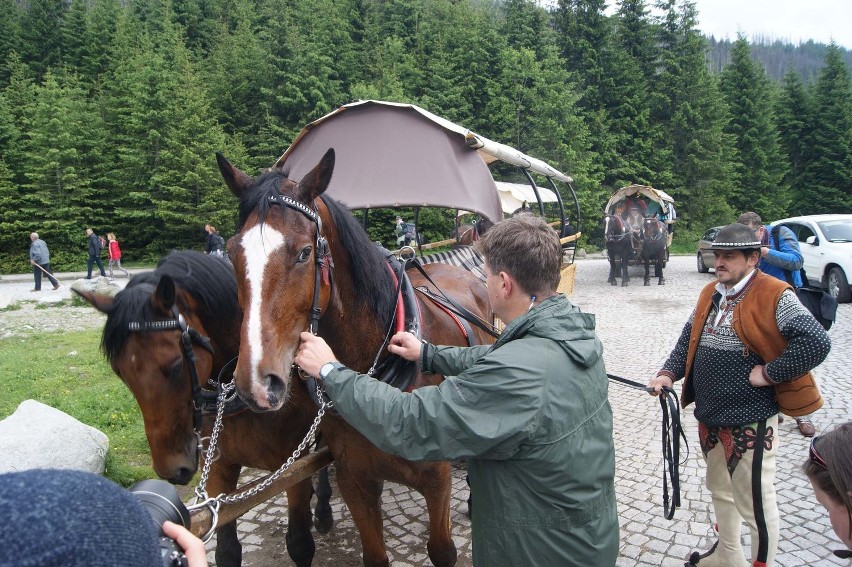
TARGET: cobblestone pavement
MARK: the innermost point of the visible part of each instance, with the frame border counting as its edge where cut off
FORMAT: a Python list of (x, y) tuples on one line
[(639, 326)]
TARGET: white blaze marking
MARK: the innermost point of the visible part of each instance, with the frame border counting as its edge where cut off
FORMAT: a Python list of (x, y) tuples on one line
[(258, 244)]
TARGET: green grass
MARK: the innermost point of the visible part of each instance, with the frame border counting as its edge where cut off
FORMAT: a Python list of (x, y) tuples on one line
[(68, 372)]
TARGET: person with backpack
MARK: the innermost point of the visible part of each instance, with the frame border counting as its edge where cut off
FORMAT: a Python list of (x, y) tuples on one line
[(215, 242), (779, 253), (114, 255), (95, 248)]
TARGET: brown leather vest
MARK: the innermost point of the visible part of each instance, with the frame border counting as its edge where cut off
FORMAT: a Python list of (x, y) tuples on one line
[(755, 326)]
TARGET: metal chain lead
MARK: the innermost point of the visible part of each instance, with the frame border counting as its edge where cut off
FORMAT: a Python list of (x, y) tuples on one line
[(201, 497)]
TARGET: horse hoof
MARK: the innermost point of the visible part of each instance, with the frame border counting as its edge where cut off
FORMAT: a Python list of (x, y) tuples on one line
[(662, 282), (613, 282), (647, 282)]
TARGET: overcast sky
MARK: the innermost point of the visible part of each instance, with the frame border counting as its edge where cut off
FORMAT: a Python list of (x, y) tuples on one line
[(793, 20), (787, 20)]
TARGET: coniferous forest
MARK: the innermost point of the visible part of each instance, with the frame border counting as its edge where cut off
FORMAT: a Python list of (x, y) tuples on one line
[(111, 110)]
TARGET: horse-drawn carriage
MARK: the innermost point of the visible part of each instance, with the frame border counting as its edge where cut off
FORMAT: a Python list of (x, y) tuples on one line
[(302, 261), (638, 222)]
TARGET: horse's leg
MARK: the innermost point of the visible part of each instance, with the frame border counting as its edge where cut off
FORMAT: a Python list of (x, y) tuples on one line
[(442, 549), (300, 541), (625, 275), (323, 518), (612, 268), (647, 270), (363, 498), (229, 551), (659, 269)]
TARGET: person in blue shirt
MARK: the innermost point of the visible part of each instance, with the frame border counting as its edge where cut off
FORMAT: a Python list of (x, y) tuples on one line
[(777, 258)]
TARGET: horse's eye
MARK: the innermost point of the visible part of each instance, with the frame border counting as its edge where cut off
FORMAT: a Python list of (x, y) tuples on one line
[(304, 255), (175, 372)]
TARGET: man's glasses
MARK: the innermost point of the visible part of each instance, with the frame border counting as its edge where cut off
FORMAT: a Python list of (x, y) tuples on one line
[(815, 456)]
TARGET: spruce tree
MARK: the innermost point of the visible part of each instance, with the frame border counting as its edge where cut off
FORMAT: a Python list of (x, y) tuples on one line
[(758, 162), (795, 125)]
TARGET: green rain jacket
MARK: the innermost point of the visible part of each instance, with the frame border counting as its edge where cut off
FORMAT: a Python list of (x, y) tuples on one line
[(531, 415)]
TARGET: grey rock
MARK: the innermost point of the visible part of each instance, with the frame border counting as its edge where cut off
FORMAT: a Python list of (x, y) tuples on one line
[(39, 436)]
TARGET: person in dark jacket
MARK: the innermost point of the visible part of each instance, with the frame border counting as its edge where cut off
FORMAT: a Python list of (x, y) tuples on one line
[(747, 334), (95, 247), (215, 244), (777, 258), (530, 412), (40, 259)]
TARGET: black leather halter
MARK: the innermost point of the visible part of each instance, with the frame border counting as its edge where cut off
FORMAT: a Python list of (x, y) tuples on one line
[(322, 253), (188, 336)]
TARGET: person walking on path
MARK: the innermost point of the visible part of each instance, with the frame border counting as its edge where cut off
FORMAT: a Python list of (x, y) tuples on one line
[(215, 244), (747, 333), (114, 255), (780, 255), (40, 260), (95, 248), (530, 412)]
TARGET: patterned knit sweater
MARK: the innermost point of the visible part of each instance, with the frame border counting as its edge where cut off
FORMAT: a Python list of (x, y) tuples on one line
[(723, 395)]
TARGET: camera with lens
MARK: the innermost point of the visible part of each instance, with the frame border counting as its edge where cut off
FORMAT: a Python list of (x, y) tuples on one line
[(163, 503)]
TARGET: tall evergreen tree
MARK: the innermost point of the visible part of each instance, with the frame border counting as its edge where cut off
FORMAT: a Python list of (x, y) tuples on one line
[(795, 125), (10, 28), (827, 176), (41, 34), (758, 161)]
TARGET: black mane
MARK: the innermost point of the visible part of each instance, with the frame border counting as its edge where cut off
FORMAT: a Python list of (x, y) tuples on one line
[(373, 283), (209, 279)]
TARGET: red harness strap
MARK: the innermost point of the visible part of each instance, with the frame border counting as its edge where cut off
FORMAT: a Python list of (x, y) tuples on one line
[(400, 308)]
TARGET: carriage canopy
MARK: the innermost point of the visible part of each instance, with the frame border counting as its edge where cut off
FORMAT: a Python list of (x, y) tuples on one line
[(400, 155), (657, 195)]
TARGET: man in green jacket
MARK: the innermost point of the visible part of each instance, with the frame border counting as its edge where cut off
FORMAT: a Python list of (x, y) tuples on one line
[(530, 412)]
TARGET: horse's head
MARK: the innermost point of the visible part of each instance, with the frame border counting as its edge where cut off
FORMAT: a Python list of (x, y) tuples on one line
[(282, 265), (142, 342), (652, 228), (613, 226)]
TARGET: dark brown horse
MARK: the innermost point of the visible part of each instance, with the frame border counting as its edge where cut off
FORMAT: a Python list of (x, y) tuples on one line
[(467, 234), (302, 261), (619, 248), (202, 291), (654, 248)]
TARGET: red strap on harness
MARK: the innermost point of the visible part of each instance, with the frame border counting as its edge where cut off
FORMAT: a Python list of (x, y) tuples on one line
[(400, 309)]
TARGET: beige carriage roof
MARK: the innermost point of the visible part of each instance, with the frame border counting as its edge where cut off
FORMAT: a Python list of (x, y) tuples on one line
[(657, 195), (391, 154)]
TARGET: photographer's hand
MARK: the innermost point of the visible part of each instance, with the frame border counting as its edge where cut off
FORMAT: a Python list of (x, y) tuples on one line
[(192, 547)]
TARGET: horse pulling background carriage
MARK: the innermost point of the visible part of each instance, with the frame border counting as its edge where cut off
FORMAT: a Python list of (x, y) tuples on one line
[(638, 222), (302, 261)]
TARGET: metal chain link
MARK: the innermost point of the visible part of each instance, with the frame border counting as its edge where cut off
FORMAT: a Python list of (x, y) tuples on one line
[(201, 497)]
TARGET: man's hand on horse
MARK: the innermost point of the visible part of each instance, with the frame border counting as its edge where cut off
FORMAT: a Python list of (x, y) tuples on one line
[(657, 383), (313, 353), (405, 345)]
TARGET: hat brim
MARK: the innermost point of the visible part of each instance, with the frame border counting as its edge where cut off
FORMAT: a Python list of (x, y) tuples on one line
[(755, 245)]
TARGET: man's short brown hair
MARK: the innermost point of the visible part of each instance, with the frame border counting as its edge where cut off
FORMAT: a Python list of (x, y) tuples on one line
[(526, 248), (750, 219)]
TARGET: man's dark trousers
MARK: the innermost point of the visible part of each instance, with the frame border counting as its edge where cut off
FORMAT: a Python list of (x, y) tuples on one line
[(95, 260), (37, 275)]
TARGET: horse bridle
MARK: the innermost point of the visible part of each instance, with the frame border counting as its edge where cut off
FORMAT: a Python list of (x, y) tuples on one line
[(189, 337), (618, 237), (322, 255)]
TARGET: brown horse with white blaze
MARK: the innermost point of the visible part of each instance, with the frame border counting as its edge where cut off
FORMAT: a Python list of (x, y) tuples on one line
[(302, 261)]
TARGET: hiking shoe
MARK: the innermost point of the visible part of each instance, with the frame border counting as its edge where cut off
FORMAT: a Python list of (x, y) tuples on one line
[(806, 427), (57, 286), (35, 290)]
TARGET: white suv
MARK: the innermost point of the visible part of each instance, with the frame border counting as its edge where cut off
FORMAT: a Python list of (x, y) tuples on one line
[(826, 244)]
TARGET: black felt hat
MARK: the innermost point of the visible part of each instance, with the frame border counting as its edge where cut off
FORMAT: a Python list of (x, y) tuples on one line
[(736, 236)]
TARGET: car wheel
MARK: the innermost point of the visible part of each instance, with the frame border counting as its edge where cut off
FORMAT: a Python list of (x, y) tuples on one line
[(838, 285), (699, 260)]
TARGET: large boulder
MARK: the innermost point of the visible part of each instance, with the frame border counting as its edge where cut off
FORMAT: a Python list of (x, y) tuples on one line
[(98, 284), (39, 436)]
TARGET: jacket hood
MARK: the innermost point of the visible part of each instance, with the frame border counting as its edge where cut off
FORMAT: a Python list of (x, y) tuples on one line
[(558, 319)]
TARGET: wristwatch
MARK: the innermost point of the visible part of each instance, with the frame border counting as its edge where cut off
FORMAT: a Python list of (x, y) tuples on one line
[(328, 367)]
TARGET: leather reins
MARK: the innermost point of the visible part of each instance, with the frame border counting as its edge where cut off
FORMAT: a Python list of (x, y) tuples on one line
[(672, 433)]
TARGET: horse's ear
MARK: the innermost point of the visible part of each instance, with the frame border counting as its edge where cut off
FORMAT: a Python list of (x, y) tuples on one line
[(316, 181), (164, 296), (236, 180), (101, 302)]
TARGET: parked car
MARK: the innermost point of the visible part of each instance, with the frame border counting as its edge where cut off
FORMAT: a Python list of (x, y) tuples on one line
[(704, 258), (826, 244)]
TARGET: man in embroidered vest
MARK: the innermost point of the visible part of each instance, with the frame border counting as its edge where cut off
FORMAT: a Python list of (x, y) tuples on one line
[(747, 337)]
